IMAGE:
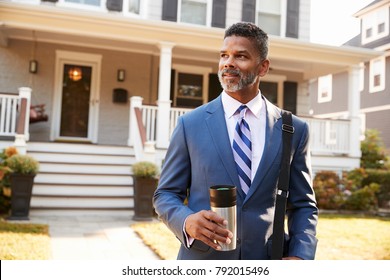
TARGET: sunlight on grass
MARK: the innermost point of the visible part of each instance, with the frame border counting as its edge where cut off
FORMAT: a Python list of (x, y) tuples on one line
[(24, 241), (340, 237), (353, 238), (159, 238)]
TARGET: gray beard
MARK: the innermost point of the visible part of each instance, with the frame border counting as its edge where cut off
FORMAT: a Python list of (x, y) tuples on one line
[(245, 80)]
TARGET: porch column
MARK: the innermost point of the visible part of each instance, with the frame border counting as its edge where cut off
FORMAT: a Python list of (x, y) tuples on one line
[(354, 111), (164, 90)]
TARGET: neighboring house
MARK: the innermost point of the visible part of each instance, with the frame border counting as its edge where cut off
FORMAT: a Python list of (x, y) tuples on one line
[(84, 60), (374, 86)]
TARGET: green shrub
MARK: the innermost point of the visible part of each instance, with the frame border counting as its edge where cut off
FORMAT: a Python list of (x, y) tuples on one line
[(382, 177), (145, 169), (363, 198)]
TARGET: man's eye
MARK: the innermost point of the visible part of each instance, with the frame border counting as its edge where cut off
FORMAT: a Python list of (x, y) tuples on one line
[(224, 55)]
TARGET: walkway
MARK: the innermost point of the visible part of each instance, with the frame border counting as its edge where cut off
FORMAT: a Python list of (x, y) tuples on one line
[(94, 238)]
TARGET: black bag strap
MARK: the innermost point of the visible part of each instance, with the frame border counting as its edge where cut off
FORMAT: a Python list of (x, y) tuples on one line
[(282, 188)]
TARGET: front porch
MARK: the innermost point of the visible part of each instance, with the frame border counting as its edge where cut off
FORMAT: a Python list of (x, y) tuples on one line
[(90, 179), (150, 128)]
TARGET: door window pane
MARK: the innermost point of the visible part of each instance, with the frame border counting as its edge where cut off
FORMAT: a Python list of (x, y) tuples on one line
[(75, 100)]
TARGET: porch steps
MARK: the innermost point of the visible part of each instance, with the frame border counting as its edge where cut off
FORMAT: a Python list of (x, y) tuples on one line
[(82, 179)]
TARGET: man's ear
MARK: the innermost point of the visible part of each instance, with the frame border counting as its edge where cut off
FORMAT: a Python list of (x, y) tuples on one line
[(264, 67)]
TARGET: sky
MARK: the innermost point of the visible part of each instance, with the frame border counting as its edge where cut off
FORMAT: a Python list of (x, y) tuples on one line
[(332, 21)]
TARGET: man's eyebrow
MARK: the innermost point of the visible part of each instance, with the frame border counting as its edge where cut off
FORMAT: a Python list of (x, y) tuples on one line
[(236, 52)]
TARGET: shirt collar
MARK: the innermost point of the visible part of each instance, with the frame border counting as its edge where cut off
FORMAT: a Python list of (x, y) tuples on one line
[(230, 105)]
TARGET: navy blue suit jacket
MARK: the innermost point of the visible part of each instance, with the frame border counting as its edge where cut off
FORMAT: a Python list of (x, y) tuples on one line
[(200, 155)]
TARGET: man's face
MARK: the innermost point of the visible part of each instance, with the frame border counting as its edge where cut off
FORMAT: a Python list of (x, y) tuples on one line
[(239, 64)]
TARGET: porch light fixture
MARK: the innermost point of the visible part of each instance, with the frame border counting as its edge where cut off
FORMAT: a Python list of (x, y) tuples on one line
[(121, 75), (33, 66), (75, 74)]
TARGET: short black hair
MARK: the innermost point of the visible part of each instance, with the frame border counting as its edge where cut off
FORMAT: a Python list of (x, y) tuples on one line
[(253, 33)]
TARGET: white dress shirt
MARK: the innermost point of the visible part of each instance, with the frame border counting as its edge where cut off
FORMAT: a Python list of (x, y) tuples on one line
[(256, 119)]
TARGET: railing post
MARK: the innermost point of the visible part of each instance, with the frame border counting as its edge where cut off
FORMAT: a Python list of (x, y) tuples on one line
[(135, 101), (22, 128)]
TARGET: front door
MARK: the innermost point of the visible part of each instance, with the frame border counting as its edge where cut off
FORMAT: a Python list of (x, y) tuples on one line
[(76, 100)]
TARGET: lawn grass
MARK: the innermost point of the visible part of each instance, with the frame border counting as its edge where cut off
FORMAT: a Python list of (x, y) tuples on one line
[(341, 237), (24, 241)]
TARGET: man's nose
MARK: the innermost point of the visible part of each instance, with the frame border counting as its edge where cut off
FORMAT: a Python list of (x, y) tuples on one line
[(229, 63)]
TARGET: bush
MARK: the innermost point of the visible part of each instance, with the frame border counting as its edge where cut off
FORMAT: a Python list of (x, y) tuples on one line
[(382, 177), (327, 190), (145, 169), (5, 189), (363, 199)]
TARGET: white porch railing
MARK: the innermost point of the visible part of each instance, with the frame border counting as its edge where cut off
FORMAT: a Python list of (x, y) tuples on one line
[(14, 117), (327, 137)]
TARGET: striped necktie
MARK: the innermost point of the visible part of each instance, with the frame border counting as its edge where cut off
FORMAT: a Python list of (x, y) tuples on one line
[(242, 149)]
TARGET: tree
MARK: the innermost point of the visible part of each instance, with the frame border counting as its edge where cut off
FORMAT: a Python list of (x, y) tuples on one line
[(373, 151)]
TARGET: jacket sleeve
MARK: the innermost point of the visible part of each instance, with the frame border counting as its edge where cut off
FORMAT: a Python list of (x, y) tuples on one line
[(169, 198), (302, 211)]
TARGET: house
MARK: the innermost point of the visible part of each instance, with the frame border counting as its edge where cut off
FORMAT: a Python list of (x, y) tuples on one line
[(111, 71), (374, 86)]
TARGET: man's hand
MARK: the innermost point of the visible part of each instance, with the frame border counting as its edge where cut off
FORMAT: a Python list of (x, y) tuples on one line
[(208, 227)]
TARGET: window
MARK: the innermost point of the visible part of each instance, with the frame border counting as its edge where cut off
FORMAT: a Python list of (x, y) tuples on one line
[(189, 90), (195, 11), (190, 85), (132, 7), (269, 16), (325, 89), (377, 74), (375, 25), (95, 3)]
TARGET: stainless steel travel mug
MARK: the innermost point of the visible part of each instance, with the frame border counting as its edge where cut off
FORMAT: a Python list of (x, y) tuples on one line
[(223, 199)]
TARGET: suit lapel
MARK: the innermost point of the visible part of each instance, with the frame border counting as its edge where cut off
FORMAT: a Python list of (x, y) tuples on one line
[(273, 141), (216, 124)]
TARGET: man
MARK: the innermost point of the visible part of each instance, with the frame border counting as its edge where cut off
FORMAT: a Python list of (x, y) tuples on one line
[(203, 152)]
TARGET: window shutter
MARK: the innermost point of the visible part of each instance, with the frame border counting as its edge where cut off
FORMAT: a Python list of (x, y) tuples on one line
[(114, 5), (219, 14), (169, 10), (292, 22), (249, 11)]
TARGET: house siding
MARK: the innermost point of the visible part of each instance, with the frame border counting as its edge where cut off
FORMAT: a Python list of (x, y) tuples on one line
[(233, 12), (154, 10), (378, 121), (304, 20), (376, 98), (339, 100)]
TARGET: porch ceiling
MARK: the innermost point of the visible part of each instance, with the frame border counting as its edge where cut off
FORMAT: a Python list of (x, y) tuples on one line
[(114, 32)]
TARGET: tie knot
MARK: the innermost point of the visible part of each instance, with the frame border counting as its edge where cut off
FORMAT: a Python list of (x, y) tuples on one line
[(242, 110)]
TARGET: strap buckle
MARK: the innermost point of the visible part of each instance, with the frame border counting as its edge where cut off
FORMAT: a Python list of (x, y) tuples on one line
[(283, 193), (288, 128)]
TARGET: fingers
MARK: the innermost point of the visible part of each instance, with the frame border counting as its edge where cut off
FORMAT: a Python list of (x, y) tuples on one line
[(208, 227)]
